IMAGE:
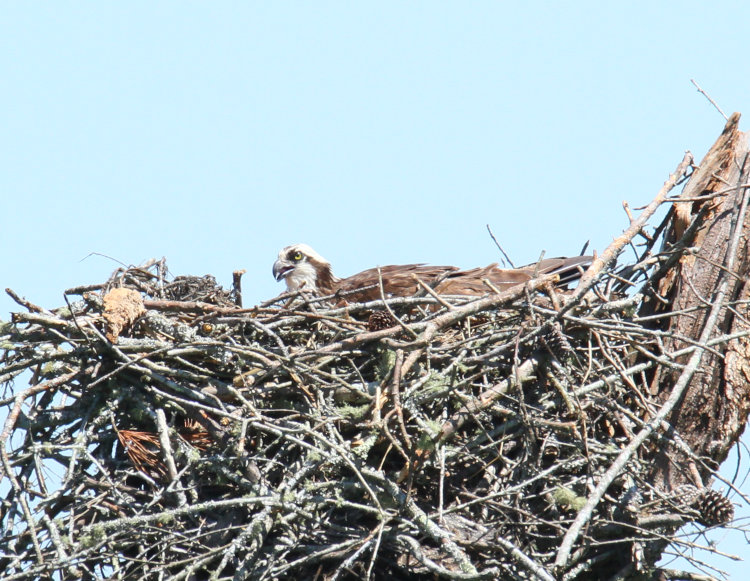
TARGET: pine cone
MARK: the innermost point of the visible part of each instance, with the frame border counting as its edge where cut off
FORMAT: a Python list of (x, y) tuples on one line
[(380, 320), (714, 508), (556, 341)]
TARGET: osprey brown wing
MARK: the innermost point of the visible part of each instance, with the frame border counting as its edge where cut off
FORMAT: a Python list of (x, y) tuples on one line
[(398, 280), (472, 282)]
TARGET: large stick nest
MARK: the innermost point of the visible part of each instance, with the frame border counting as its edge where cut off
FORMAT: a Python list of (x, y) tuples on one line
[(288, 440), (169, 434)]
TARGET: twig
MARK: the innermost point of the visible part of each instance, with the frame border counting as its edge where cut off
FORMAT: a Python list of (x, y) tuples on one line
[(425, 524), (26, 304), (395, 392), (500, 248), (710, 100), (607, 257), (237, 286)]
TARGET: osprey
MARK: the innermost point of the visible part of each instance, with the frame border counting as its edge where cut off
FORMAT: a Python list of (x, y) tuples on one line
[(304, 269)]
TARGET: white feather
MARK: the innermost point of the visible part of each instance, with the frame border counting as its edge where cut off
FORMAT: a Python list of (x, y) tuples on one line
[(303, 276)]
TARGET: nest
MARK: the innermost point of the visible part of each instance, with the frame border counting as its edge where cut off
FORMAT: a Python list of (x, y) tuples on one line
[(187, 438), (538, 433)]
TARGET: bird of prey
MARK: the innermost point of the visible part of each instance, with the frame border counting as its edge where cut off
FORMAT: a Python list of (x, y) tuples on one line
[(304, 269)]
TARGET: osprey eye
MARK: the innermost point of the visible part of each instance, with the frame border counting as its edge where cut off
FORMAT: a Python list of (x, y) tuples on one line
[(297, 256)]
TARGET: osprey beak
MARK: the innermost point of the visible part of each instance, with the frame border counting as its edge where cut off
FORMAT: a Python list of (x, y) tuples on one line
[(281, 269)]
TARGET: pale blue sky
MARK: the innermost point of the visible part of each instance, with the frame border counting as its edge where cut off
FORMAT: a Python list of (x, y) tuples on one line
[(215, 133)]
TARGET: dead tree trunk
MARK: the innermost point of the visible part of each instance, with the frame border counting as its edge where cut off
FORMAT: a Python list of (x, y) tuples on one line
[(709, 278)]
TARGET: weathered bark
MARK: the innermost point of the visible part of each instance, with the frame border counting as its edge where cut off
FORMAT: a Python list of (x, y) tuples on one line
[(713, 411)]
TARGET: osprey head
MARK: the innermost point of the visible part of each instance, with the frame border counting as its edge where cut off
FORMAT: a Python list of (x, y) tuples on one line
[(301, 267)]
